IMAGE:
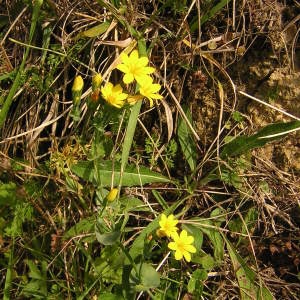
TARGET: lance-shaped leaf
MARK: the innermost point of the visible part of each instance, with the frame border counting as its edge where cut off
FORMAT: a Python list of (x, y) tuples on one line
[(269, 133), (132, 175)]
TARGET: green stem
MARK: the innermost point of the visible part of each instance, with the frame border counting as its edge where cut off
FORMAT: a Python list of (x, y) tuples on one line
[(129, 137), (8, 277)]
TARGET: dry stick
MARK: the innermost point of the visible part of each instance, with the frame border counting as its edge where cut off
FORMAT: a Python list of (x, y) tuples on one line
[(37, 128), (17, 80), (269, 105), (181, 110), (12, 25)]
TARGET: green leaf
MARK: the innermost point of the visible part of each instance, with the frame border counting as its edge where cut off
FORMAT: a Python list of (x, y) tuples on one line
[(37, 287), (22, 212), (195, 284), (7, 193), (109, 296), (243, 144), (132, 176), (187, 143), (146, 278), (34, 271), (108, 238), (133, 204), (207, 262), (249, 289), (135, 110), (84, 226), (160, 199), (213, 235), (212, 12), (94, 31)]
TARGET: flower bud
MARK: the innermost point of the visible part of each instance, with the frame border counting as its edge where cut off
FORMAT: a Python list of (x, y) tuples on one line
[(77, 89), (77, 84), (111, 196), (96, 81)]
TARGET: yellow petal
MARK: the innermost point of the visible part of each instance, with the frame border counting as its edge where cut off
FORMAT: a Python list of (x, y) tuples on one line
[(175, 236), (190, 248), (150, 102), (178, 255), (189, 240), (187, 256), (183, 234), (124, 58), (128, 78), (117, 89), (143, 80), (156, 96), (143, 61), (172, 246), (134, 55), (123, 68), (148, 70), (121, 97), (132, 99), (155, 87)]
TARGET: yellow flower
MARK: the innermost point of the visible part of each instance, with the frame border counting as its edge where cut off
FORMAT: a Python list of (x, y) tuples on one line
[(114, 94), (167, 226), (182, 245), (149, 90), (135, 67), (77, 84), (111, 196)]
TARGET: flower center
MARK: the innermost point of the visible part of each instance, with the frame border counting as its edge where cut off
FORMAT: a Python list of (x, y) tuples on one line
[(167, 227), (134, 69), (180, 246)]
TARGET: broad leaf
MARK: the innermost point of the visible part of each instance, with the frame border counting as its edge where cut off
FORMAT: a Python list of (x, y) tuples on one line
[(146, 278), (108, 238), (132, 176)]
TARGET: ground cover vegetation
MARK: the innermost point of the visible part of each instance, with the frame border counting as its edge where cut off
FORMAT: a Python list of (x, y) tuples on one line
[(149, 149)]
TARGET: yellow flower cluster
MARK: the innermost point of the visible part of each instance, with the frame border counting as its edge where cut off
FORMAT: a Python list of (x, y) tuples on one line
[(135, 68), (182, 243)]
